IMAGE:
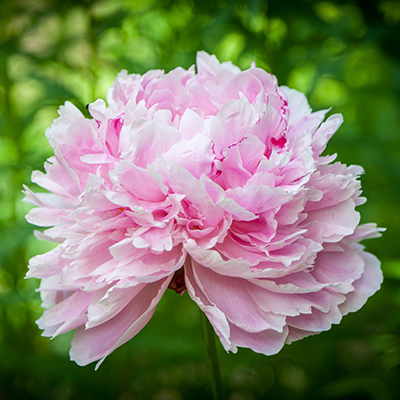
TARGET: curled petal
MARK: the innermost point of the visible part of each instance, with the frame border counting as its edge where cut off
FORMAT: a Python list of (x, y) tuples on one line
[(91, 344)]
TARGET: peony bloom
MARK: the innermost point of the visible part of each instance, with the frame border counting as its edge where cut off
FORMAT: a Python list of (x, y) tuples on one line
[(211, 183)]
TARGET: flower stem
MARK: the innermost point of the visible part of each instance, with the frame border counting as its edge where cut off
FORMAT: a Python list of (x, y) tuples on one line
[(212, 357)]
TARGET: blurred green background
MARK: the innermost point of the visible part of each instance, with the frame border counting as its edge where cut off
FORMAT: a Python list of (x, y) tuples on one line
[(342, 54)]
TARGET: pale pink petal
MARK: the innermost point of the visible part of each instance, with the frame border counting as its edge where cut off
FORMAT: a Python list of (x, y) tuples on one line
[(339, 267), (231, 124), (145, 184), (298, 105), (209, 69), (367, 285), (319, 321), (216, 317), (231, 296), (195, 155), (337, 221), (191, 124), (325, 132), (105, 306), (258, 199), (149, 138), (66, 315), (96, 343), (267, 342)]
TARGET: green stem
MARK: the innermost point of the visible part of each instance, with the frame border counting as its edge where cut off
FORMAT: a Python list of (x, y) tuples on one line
[(212, 357)]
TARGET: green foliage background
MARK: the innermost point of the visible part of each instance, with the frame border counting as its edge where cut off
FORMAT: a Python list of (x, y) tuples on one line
[(342, 54)]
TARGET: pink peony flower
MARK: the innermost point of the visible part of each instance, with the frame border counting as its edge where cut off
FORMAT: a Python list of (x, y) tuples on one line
[(211, 183)]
